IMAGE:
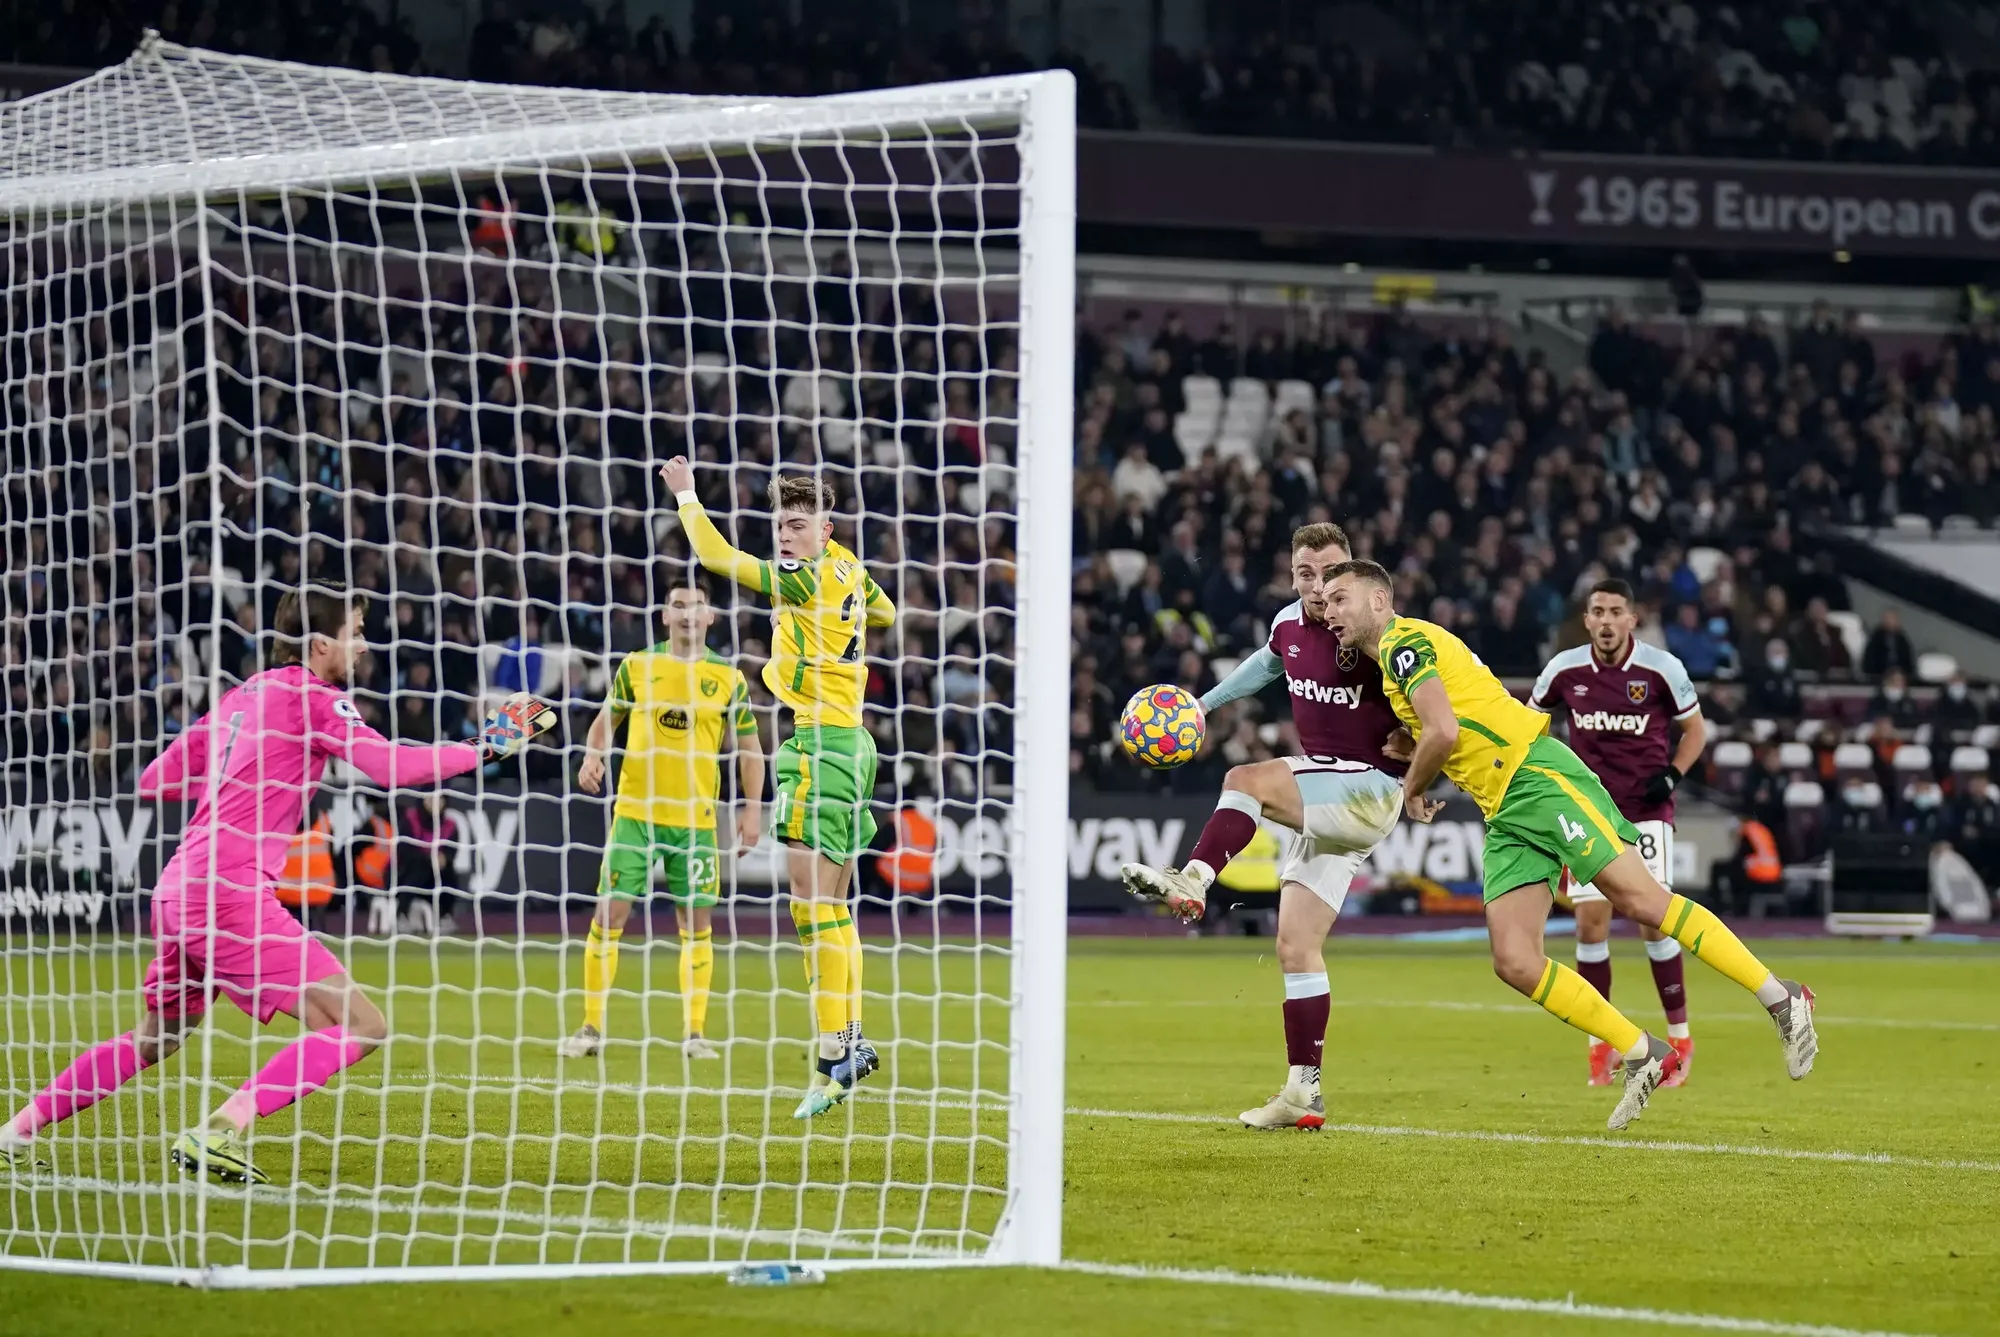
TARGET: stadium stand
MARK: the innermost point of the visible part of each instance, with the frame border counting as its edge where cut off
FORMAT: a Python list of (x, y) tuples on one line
[(1844, 80)]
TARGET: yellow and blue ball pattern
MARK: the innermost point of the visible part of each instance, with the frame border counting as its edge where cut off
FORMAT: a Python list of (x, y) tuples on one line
[(1162, 725)]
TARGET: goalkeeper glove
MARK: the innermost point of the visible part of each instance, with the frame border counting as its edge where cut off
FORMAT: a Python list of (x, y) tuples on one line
[(1662, 786), (512, 723)]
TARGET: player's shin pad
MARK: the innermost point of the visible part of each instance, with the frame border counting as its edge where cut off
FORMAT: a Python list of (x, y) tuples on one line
[(1567, 996), (1707, 937)]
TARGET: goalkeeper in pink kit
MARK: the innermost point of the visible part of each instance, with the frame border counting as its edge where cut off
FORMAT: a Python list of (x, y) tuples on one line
[(251, 765)]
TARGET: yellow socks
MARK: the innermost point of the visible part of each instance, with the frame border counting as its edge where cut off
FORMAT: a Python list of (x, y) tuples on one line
[(600, 967), (833, 962), (697, 969), (1708, 938), (1567, 996)]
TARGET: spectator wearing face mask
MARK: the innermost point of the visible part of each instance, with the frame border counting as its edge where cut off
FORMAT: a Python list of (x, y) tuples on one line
[(1957, 712), (1924, 812), (1893, 699), (1859, 809), (1774, 687)]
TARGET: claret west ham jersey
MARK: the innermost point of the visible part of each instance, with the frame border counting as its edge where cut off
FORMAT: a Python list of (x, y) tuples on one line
[(1621, 718)]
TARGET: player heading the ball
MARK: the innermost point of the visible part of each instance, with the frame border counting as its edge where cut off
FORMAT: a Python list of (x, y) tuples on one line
[(252, 765), (683, 701), (823, 603), (1545, 811)]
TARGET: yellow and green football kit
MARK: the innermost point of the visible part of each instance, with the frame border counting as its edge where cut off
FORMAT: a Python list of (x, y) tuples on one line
[(678, 712), (821, 610), (1544, 810)]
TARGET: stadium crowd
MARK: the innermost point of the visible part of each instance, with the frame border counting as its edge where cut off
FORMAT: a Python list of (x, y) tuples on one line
[(741, 49), (1835, 79), (486, 467)]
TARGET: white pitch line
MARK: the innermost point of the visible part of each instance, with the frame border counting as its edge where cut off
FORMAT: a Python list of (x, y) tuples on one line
[(1365, 1290), (1578, 1140), (1839, 1022), (1835, 1157), (350, 1200)]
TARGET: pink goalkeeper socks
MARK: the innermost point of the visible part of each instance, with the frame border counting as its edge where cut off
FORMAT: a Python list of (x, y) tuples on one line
[(97, 1072), (299, 1069)]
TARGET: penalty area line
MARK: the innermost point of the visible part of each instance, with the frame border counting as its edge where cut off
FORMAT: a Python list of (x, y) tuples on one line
[(1365, 1290)]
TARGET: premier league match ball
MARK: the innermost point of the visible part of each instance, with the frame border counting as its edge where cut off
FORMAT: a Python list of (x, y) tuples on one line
[(1162, 725)]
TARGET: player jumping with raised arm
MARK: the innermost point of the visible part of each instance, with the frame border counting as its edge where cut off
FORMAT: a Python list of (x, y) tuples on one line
[(251, 765), (823, 602), (1340, 799), (683, 700), (1545, 811), (1624, 700)]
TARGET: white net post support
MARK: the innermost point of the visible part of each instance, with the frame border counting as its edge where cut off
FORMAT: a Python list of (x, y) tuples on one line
[(373, 348)]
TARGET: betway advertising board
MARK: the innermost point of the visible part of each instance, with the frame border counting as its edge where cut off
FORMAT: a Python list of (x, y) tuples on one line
[(77, 860)]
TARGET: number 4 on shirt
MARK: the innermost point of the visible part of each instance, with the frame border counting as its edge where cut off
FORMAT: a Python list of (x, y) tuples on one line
[(1571, 831)]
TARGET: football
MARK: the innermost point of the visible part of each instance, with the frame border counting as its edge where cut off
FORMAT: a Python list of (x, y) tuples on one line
[(1162, 725)]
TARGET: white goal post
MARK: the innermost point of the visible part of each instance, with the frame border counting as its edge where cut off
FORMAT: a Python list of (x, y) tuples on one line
[(262, 322)]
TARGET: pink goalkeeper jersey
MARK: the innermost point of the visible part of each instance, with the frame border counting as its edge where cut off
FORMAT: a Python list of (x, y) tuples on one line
[(253, 763)]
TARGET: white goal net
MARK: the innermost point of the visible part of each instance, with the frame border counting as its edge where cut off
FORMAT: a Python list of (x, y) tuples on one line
[(266, 323)]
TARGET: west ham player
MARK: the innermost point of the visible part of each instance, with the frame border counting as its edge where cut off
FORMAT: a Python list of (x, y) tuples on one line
[(1624, 701), (251, 765), (1340, 799)]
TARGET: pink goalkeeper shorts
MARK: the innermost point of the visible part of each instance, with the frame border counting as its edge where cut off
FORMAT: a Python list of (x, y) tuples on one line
[(252, 950)]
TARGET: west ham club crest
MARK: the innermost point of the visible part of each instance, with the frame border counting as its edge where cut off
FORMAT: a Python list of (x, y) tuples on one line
[(1347, 657), (1637, 691)]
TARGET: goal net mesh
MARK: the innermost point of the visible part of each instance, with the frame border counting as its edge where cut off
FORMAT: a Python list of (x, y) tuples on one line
[(266, 323)]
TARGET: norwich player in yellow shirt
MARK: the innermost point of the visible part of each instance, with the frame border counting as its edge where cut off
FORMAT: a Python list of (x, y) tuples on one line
[(683, 701), (823, 602), (1545, 810)]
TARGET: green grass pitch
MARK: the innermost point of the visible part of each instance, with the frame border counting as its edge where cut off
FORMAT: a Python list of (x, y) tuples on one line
[(1465, 1153)]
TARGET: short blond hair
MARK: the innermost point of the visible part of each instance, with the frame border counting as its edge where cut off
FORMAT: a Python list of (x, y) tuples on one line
[(1325, 534), (800, 492)]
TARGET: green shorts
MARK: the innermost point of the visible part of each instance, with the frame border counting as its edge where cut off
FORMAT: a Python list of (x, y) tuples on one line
[(826, 778), (687, 854), (1554, 815)]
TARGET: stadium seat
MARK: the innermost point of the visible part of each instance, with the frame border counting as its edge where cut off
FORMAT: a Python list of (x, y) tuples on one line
[(1853, 759), (1704, 562), (1762, 731), (1805, 819), (1970, 759), (1795, 757), (709, 368), (1732, 758), (1294, 395), (1986, 736), (1853, 634), (1960, 524), (1912, 524), (1249, 389), (1202, 392), (1194, 432), (1935, 666), (1911, 759), (1128, 567), (1809, 731)]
